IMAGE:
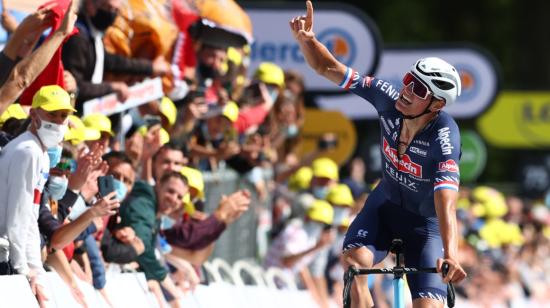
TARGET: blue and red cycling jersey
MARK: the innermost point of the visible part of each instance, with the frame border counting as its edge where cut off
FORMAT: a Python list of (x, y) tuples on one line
[(430, 162)]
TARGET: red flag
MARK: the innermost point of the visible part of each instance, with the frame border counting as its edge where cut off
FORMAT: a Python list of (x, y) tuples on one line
[(184, 55), (53, 73)]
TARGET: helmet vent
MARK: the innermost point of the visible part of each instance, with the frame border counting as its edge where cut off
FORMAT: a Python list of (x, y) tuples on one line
[(443, 85)]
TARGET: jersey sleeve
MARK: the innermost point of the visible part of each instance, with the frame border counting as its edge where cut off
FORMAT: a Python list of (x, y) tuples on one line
[(381, 94), (446, 153)]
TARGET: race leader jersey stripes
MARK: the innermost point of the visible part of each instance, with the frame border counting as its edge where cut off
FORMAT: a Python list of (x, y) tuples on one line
[(431, 160)]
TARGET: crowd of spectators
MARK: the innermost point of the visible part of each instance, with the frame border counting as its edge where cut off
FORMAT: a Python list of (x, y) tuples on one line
[(217, 113)]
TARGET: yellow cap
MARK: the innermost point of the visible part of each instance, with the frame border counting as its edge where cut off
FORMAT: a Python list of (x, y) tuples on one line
[(346, 222), (231, 111), (301, 179), (325, 168), (194, 179), (492, 201), (340, 195), (497, 232), (13, 111), (168, 109), (78, 132), (164, 136), (270, 73), (98, 121), (143, 130), (52, 98), (321, 211), (234, 56), (188, 206)]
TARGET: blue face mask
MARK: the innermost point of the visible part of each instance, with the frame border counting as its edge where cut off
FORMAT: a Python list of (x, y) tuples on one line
[(291, 131), (273, 93), (55, 155), (120, 189), (166, 222), (57, 186), (320, 192)]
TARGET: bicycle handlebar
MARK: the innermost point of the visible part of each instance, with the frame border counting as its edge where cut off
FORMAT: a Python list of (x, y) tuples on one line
[(450, 287), (398, 272)]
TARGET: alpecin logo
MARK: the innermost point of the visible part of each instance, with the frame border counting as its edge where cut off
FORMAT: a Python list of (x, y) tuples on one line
[(449, 165), (406, 165)]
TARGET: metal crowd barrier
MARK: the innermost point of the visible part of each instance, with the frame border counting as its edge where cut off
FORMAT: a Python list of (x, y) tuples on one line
[(240, 240)]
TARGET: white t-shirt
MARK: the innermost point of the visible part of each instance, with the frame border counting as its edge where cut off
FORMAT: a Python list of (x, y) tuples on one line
[(24, 169), (291, 241)]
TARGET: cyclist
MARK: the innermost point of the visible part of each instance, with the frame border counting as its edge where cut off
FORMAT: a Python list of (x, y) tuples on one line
[(417, 195)]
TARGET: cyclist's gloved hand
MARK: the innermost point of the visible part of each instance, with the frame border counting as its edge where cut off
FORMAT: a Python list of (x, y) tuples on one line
[(455, 274)]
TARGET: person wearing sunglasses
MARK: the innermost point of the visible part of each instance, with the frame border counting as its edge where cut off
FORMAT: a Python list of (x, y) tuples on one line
[(420, 145)]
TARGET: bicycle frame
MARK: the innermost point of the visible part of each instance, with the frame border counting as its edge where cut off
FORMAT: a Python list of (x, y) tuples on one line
[(398, 283)]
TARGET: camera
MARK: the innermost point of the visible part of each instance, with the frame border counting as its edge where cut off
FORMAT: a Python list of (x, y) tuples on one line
[(328, 141)]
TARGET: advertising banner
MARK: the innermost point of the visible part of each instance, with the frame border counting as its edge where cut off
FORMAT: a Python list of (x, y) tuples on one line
[(139, 94), (518, 120), (474, 156), (478, 72), (348, 34), (319, 122)]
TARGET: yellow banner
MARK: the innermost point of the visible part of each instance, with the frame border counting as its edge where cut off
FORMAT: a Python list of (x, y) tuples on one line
[(317, 123), (517, 120)]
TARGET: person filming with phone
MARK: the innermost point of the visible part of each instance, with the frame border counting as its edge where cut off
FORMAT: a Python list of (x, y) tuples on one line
[(420, 144)]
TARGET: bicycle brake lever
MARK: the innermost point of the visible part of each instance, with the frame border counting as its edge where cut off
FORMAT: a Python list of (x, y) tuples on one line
[(450, 287)]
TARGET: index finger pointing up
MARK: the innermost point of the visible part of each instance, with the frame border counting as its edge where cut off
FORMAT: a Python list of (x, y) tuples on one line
[(309, 16)]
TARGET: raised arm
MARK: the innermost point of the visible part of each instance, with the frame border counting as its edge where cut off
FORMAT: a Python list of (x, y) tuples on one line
[(317, 56), (26, 71)]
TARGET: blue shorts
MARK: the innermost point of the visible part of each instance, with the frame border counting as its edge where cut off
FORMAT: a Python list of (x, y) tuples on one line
[(381, 221)]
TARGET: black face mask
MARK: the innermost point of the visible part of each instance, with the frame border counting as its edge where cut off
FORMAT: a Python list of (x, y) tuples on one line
[(207, 72), (103, 19)]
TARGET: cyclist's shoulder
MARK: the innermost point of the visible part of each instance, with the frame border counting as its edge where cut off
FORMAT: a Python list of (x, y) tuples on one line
[(445, 122), (354, 80), (445, 136)]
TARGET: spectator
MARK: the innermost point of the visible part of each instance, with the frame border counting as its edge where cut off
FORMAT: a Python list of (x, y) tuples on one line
[(210, 60), (25, 164), (120, 244), (260, 96), (195, 234), (59, 233), (101, 123), (300, 241), (214, 139), (191, 109), (85, 57), (192, 236), (324, 176), (141, 211)]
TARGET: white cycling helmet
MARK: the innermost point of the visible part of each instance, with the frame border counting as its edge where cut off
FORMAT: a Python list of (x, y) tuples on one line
[(441, 77)]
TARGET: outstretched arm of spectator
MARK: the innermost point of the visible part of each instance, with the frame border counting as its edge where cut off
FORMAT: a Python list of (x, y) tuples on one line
[(195, 234), (68, 232), (26, 35), (59, 262), (26, 71), (325, 239)]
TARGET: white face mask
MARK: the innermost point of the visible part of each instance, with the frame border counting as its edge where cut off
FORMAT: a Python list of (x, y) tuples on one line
[(340, 213), (51, 134)]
